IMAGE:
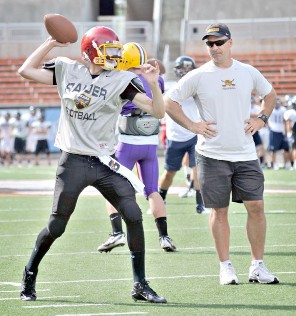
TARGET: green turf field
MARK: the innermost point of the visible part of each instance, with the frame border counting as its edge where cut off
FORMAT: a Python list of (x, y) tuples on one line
[(74, 279)]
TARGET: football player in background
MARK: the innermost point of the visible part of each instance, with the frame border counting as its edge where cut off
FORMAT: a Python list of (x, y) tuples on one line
[(92, 96), (290, 123), (20, 134), (138, 142), (278, 141), (41, 128), (180, 142), (6, 139), (31, 136)]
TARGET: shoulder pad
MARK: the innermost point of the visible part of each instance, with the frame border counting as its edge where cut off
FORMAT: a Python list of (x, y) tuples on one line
[(137, 83)]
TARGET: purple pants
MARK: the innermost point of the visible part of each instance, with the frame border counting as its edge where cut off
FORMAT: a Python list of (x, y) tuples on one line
[(145, 156)]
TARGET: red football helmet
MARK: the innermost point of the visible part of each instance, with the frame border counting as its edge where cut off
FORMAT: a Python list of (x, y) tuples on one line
[(100, 45)]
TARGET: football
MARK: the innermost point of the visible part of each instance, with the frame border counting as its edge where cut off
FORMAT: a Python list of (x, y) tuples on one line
[(60, 28), (152, 61)]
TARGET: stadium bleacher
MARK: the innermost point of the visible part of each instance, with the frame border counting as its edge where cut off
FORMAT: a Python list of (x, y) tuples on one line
[(15, 91), (279, 68)]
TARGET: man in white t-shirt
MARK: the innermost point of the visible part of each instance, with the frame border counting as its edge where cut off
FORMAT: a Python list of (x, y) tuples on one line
[(226, 154)]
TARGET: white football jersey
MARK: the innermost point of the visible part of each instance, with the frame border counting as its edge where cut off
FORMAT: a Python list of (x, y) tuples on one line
[(276, 121), (89, 107)]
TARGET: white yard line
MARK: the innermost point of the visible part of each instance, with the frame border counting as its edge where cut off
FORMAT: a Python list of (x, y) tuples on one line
[(126, 251), (46, 187), (105, 314)]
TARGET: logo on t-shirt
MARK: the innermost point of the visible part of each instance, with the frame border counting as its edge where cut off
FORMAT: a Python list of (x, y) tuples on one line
[(228, 84), (81, 101)]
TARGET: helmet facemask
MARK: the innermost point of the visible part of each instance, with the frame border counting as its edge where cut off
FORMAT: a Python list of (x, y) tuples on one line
[(183, 65), (183, 69), (108, 54)]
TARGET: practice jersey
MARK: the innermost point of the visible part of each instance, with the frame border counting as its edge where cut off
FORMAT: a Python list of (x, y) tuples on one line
[(276, 121), (223, 95), (290, 115), (20, 129), (41, 129), (6, 129), (89, 107)]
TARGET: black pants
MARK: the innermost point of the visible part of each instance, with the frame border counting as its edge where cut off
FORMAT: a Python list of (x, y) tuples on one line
[(74, 174)]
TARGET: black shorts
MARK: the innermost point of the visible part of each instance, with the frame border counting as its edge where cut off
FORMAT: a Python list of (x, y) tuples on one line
[(42, 146), (218, 179), (19, 145)]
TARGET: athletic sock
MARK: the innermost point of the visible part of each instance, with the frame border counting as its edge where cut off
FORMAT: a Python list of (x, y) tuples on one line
[(116, 223), (256, 262), (163, 193), (225, 263), (161, 224), (198, 197), (138, 265)]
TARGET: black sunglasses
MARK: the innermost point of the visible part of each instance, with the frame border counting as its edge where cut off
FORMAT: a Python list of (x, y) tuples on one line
[(217, 43)]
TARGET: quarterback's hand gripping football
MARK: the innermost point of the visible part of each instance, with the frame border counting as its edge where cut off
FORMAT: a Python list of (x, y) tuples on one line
[(150, 73)]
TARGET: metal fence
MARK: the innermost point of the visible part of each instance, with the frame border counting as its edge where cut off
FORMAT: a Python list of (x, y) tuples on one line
[(263, 33), (247, 28), (17, 39)]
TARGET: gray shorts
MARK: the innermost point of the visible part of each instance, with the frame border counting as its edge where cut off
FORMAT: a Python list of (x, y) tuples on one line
[(219, 179)]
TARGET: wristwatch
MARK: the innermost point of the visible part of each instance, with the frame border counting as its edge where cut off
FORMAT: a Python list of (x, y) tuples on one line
[(263, 117)]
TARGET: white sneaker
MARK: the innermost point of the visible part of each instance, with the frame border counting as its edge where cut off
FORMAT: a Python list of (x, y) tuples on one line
[(187, 193), (166, 243), (115, 240), (228, 275), (260, 274)]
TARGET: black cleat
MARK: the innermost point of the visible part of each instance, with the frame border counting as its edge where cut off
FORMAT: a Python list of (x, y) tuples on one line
[(28, 292), (143, 292)]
